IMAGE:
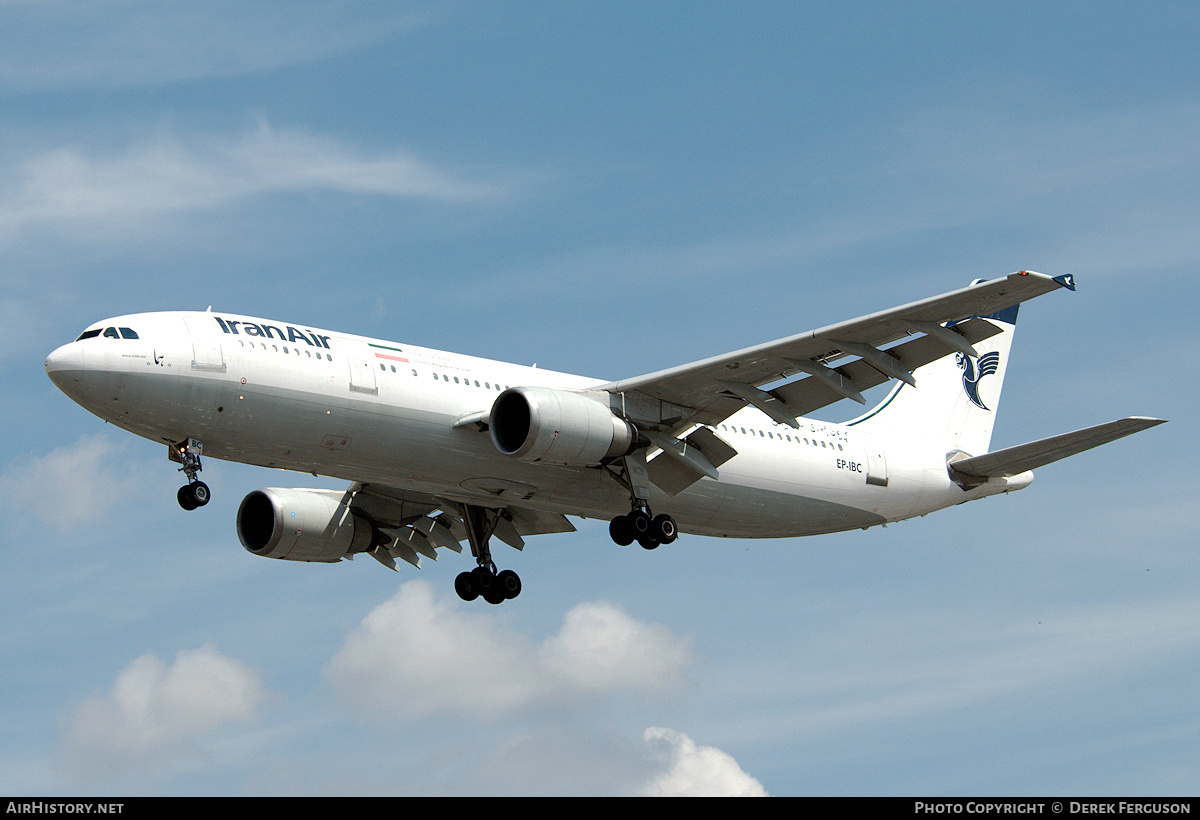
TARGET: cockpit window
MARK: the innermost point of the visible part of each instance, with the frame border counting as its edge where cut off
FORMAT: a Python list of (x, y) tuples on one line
[(109, 333)]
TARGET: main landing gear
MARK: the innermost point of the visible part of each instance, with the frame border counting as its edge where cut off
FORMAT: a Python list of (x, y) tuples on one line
[(639, 526), (195, 493), (483, 581)]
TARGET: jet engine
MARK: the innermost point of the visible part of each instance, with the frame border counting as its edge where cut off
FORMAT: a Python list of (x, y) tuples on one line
[(302, 525), (557, 427)]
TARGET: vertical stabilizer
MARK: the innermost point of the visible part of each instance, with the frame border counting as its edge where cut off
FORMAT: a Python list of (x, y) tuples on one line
[(955, 398)]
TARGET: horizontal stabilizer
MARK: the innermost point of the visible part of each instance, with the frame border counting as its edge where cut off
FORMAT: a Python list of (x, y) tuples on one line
[(1015, 460)]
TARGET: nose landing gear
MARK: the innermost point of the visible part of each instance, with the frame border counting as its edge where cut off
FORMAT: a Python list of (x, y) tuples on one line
[(191, 496), (195, 493)]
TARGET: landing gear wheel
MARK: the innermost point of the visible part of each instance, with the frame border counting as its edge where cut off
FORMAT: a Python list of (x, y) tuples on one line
[(185, 497), (621, 531), (465, 587), (648, 542), (200, 493), (509, 583), (191, 496), (639, 521), (663, 529), (483, 580)]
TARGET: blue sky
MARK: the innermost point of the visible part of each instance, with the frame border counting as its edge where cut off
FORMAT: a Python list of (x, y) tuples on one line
[(606, 189)]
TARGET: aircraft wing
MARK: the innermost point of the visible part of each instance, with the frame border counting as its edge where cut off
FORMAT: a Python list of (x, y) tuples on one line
[(1015, 460), (422, 523), (711, 390)]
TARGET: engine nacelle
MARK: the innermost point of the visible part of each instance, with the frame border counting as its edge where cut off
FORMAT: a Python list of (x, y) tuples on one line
[(557, 427), (301, 525)]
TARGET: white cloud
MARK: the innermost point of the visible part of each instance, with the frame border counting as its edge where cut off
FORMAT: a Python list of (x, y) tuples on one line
[(695, 771), (53, 44), (69, 487), (71, 187), (156, 713), (415, 657), (600, 647)]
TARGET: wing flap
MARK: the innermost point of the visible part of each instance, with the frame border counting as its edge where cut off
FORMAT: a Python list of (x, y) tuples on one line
[(812, 393), (1015, 460), (682, 463), (422, 524)]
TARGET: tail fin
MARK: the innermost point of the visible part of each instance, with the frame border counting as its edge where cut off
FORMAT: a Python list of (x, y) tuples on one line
[(955, 399)]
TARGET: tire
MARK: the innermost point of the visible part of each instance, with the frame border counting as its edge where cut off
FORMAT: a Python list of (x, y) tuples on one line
[(641, 523), (483, 580), (200, 493), (465, 587), (663, 528), (621, 531), (509, 583), (185, 497)]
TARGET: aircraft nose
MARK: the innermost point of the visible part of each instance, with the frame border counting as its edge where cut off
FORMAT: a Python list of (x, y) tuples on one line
[(64, 364)]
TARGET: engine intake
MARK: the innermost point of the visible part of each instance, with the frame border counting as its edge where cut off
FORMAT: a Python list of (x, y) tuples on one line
[(557, 427), (301, 525)]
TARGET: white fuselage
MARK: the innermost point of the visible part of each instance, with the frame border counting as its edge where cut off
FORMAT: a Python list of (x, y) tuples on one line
[(297, 398)]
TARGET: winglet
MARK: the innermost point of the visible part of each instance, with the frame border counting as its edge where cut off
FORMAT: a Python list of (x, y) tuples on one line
[(1067, 280)]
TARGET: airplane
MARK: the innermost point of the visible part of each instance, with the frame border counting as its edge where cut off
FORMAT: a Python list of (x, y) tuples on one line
[(443, 448)]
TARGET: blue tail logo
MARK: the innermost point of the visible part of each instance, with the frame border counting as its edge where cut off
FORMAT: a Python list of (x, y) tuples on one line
[(989, 363)]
